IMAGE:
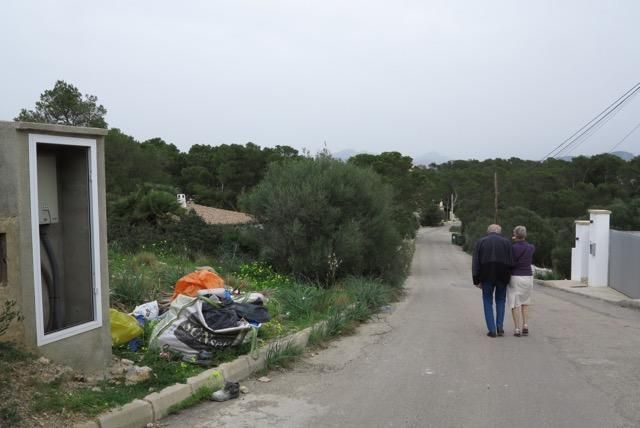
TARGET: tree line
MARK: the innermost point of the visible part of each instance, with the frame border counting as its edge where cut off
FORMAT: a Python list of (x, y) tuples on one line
[(144, 176), (545, 196)]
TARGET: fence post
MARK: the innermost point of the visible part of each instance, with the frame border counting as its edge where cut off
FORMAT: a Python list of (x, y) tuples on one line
[(598, 271), (580, 253)]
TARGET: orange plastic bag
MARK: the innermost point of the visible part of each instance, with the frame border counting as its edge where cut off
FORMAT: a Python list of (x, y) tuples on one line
[(190, 284)]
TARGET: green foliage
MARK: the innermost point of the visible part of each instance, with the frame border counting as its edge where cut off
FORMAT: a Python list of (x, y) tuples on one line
[(10, 353), (556, 191), (323, 219), (9, 405), (539, 232), (282, 355), (151, 203), (260, 275), (8, 314), (369, 294), (272, 329), (202, 394), (625, 215), (564, 239), (190, 236), (414, 189), (129, 164), (431, 215), (63, 105), (303, 301), (9, 415), (549, 276), (134, 280)]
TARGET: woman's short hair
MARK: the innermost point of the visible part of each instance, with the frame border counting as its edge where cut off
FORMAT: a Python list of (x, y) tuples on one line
[(520, 232)]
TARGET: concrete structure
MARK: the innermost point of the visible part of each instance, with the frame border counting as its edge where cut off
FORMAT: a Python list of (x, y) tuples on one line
[(598, 260), (580, 253), (182, 200), (624, 269), (53, 236)]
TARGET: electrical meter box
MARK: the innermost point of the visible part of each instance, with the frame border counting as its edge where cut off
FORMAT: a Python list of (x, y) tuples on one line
[(53, 250)]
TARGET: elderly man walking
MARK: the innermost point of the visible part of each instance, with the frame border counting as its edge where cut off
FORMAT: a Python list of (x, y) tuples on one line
[(491, 270)]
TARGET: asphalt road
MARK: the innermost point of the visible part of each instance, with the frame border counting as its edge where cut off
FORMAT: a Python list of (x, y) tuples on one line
[(428, 363)]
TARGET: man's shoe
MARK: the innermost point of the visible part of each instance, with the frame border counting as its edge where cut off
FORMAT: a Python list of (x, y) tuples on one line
[(500, 332), (491, 334)]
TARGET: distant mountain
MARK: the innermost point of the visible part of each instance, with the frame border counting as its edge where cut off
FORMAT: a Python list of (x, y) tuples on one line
[(624, 155), (431, 157), (345, 154)]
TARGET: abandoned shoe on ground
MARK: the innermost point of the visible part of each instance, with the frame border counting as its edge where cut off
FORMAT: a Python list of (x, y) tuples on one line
[(230, 391)]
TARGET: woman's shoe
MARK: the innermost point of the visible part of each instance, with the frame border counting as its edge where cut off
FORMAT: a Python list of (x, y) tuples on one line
[(525, 330), (516, 333)]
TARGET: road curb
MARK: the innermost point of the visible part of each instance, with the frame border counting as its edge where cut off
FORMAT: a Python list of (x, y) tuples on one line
[(161, 401), (625, 303), (155, 406), (137, 414)]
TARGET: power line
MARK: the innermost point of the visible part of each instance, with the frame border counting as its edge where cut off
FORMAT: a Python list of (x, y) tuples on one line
[(596, 126), (595, 121), (625, 137), (604, 113)]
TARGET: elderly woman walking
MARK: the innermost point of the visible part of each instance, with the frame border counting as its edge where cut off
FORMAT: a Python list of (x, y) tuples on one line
[(521, 284)]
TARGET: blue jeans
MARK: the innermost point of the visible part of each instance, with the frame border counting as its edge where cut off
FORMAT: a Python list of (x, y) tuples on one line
[(489, 288)]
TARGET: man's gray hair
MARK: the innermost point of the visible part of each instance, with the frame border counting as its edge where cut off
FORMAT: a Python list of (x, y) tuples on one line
[(494, 228), (520, 232)]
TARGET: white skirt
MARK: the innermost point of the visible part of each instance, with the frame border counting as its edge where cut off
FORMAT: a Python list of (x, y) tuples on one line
[(519, 291)]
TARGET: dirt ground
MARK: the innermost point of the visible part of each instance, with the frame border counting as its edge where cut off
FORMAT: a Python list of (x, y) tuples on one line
[(24, 380)]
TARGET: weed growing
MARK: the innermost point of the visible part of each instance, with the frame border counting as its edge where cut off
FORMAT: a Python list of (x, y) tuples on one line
[(200, 395), (282, 355), (548, 276), (9, 405)]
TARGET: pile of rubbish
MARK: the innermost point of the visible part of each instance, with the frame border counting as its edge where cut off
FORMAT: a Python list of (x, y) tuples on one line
[(203, 317)]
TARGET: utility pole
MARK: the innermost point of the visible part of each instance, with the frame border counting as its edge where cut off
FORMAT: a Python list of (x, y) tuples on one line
[(495, 201)]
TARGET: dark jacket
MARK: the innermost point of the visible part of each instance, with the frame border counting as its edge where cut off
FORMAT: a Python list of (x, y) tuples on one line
[(492, 259)]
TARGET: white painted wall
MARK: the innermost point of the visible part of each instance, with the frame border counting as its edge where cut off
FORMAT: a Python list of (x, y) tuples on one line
[(182, 200), (580, 253), (598, 259)]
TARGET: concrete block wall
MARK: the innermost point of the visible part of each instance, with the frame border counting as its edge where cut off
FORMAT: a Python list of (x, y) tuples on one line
[(89, 351)]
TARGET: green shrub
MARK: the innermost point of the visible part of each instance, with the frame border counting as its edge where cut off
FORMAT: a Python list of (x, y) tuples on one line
[(302, 301), (188, 235), (150, 203), (539, 232), (282, 355), (260, 275), (8, 314), (431, 215), (323, 219)]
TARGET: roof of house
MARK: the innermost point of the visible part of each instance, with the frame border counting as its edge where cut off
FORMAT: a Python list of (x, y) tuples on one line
[(219, 216)]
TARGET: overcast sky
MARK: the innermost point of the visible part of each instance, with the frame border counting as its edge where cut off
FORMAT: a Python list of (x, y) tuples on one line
[(467, 79)]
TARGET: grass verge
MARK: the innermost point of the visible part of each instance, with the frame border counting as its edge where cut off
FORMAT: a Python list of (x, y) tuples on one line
[(282, 355), (199, 396)]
